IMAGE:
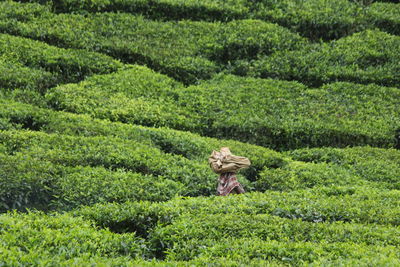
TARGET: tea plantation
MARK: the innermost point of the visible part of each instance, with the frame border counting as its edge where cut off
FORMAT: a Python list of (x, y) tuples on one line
[(109, 110)]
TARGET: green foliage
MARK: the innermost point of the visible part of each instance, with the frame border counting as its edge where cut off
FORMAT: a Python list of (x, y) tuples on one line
[(28, 182), (365, 57), (40, 239), (13, 74), (189, 145), (151, 189), (186, 228), (34, 65), (314, 18), (165, 9), (113, 153), (358, 204), (299, 175), (181, 49), (385, 16), (289, 115), (174, 238), (376, 165)]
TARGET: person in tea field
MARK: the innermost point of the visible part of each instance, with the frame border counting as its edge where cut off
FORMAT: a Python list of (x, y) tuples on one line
[(226, 164)]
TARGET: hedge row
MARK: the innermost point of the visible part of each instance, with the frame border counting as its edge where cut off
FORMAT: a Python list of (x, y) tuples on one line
[(328, 20), (365, 57), (209, 10), (39, 239), (34, 65), (19, 116), (256, 252), (386, 16), (361, 205), (111, 153), (270, 170), (31, 183), (289, 115), (180, 239), (366, 162), (278, 224), (60, 239), (13, 74), (183, 50), (315, 19)]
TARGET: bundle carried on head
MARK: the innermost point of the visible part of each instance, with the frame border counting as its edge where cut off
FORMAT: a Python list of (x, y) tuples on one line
[(223, 161)]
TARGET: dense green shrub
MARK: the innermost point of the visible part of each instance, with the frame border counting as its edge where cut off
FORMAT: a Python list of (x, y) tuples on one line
[(13, 74), (365, 57), (112, 153), (298, 175), (27, 182), (189, 227), (246, 39), (385, 16), (179, 49), (244, 250), (33, 65), (289, 115), (164, 9), (14, 11), (22, 116), (373, 164), (361, 205), (40, 239), (71, 65), (315, 18), (266, 227)]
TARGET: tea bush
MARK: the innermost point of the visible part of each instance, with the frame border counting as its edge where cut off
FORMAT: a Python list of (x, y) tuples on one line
[(15, 75), (164, 9), (289, 115), (377, 165), (315, 19), (33, 65), (111, 153), (40, 239), (70, 65), (366, 57), (194, 147), (385, 16), (181, 49), (362, 205), (28, 182)]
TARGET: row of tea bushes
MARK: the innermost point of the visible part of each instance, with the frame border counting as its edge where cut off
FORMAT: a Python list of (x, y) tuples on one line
[(315, 19), (386, 16), (111, 153), (62, 240), (328, 20), (256, 252), (279, 223), (269, 170), (13, 74), (209, 10), (34, 65), (14, 115), (361, 205), (185, 50), (367, 162), (289, 114), (365, 57), (190, 231), (29, 182)]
